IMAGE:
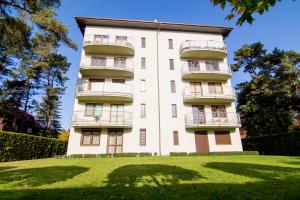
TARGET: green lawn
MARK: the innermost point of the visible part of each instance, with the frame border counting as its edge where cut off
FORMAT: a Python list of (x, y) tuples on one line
[(202, 177)]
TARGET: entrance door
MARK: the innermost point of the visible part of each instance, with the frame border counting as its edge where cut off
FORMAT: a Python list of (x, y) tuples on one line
[(117, 113), (115, 141), (201, 141), (198, 114)]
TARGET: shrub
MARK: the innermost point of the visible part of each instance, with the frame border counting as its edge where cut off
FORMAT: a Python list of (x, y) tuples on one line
[(178, 153), (18, 146), (224, 153), (145, 154), (280, 144)]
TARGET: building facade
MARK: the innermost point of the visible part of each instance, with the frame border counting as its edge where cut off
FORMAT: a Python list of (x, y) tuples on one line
[(147, 86)]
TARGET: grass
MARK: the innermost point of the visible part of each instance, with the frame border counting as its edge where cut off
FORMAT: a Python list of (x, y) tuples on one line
[(201, 177)]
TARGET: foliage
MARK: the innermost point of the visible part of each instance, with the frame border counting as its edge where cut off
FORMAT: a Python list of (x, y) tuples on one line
[(31, 35), (224, 153), (245, 9), (287, 144), (166, 177), (64, 135), (269, 101), (17, 146), (178, 153)]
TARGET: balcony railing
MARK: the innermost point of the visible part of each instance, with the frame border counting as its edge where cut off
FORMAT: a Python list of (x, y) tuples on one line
[(107, 63), (209, 49), (206, 70), (203, 44), (107, 66), (212, 119), (109, 40), (102, 89), (102, 118), (198, 92)]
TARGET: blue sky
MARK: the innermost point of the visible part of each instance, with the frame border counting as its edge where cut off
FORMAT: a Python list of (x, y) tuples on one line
[(277, 28)]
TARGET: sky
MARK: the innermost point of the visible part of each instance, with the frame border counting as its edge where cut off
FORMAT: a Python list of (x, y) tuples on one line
[(279, 27)]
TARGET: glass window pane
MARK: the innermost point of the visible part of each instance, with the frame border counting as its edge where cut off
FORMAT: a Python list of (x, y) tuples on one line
[(119, 138), (89, 110), (98, 110), (119, 149), (174, 110), (112, 139), (96, 137), (86, 137)]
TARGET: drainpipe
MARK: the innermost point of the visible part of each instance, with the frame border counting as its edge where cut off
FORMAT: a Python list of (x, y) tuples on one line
[(158, 92)]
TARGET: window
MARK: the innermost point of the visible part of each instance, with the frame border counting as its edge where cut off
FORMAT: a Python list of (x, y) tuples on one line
[(143, 137), (218, 111), (143, 85), (143, 110), (143, 42), (174, 110), (90, 137), (143, 63), (98, 61), (121, 40), (173, 86), (215, 87), (170, 44), (175, 138), (222, 137), (171, 62), (101, 38), (122, 81), (212, 66), (93, 110), (120, 62), (194, 65)]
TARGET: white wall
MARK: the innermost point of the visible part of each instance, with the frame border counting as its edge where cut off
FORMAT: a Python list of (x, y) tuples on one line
[(150, 97)]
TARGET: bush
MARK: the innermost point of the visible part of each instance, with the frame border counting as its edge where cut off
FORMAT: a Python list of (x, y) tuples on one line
[(224, 153), (178, 153), (287, 144), (18, 146), (143, 154)]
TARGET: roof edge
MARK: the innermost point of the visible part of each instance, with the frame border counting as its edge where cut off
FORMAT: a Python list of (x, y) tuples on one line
[(82, 22)]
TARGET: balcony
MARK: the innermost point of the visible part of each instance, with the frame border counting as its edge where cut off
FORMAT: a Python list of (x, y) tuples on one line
[(107, 66), (213, 120), (87, 91), (192, 94), (203, 49), (103, 119), (205, 71), (108, 45)]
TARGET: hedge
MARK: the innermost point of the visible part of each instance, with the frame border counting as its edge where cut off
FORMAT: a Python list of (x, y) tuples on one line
[(142, 154), (178, 153), (18, 146), (287, 144), (224, 153)]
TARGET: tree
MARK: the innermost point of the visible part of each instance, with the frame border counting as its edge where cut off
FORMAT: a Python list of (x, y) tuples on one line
[(245, 9), (63, 135), (30, 32), (53, 77), (269, 101)]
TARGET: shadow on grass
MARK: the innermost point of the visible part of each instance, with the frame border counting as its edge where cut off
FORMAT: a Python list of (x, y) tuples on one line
[(34, 177), (152, 181)]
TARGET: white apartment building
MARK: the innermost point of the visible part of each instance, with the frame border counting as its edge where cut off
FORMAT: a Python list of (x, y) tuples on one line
[(148, 86)]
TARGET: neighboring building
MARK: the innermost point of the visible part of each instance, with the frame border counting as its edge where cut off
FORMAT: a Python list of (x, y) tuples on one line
[(156, 87)]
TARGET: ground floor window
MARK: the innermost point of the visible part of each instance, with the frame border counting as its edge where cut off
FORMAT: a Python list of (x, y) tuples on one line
[(175, 138), (90, 137), (142, 137), (222, 137), (115, 141)]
